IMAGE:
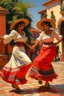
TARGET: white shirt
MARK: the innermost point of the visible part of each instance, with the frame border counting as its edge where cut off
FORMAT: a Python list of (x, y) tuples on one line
[(14, 35), (44, 38)]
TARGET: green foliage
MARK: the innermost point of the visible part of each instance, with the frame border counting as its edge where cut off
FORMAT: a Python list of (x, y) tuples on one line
[(53, 17), (17, 9), (45, 15), (62, 7)]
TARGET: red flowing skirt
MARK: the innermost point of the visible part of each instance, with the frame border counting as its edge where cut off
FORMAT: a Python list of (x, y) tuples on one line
[(42, 67), (15, 75)]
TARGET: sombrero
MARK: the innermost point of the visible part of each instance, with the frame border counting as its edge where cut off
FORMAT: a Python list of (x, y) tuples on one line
[(18, 21), (45, 20)]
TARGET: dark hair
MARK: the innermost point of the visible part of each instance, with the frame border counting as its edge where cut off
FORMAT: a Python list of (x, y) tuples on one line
[(16, 26), (48, 23)]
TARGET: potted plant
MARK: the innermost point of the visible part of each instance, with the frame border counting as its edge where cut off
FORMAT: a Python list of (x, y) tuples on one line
[(62, 9), (52, 16), (45, 15)]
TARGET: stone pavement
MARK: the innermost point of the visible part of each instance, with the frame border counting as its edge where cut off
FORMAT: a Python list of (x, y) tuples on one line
[(32, 88)]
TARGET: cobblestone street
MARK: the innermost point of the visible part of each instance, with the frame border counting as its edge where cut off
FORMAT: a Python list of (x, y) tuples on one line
[(32, 88)]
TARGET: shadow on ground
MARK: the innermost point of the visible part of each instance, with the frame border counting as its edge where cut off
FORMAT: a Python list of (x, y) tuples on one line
[(58, 89)]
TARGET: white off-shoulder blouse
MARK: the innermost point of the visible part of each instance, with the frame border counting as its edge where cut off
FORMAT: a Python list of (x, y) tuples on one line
[(14, 35), (44, 38)]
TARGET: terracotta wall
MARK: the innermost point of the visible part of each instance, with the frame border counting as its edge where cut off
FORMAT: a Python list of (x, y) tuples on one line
[(2, 32), (2, 25), (2, 47)]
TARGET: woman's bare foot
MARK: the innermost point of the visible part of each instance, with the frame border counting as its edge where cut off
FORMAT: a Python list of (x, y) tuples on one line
[(39, 80), (13, 86), (47, 85), (16, 87)]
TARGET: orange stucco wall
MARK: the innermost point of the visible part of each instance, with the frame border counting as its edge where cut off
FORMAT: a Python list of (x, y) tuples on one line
[(2, 47), (2, 25), (2, 32)]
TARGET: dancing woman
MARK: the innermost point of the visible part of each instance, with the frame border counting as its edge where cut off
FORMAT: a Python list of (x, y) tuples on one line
[(42, 68), (15, 70)]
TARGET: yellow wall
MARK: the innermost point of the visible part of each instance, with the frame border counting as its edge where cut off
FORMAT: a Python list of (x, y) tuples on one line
[(56, 9)]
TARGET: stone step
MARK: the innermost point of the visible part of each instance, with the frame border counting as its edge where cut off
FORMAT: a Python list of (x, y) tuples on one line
[(3, 56)]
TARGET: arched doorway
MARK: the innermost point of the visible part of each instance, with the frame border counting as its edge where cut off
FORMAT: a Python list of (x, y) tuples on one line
[(62, 33), (60, 26)]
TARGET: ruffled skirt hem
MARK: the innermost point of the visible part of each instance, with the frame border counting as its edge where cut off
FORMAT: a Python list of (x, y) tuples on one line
[(15, 75)]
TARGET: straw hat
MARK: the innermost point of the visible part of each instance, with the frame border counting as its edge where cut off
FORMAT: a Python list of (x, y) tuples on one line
[(45, 20), (18, 21)]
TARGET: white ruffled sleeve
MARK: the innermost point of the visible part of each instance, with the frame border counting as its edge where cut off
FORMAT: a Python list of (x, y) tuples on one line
[(40, 38), (11, 36), (56, 36)]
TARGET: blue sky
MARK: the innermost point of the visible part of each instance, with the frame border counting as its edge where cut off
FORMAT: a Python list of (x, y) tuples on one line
[(34, 11)]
